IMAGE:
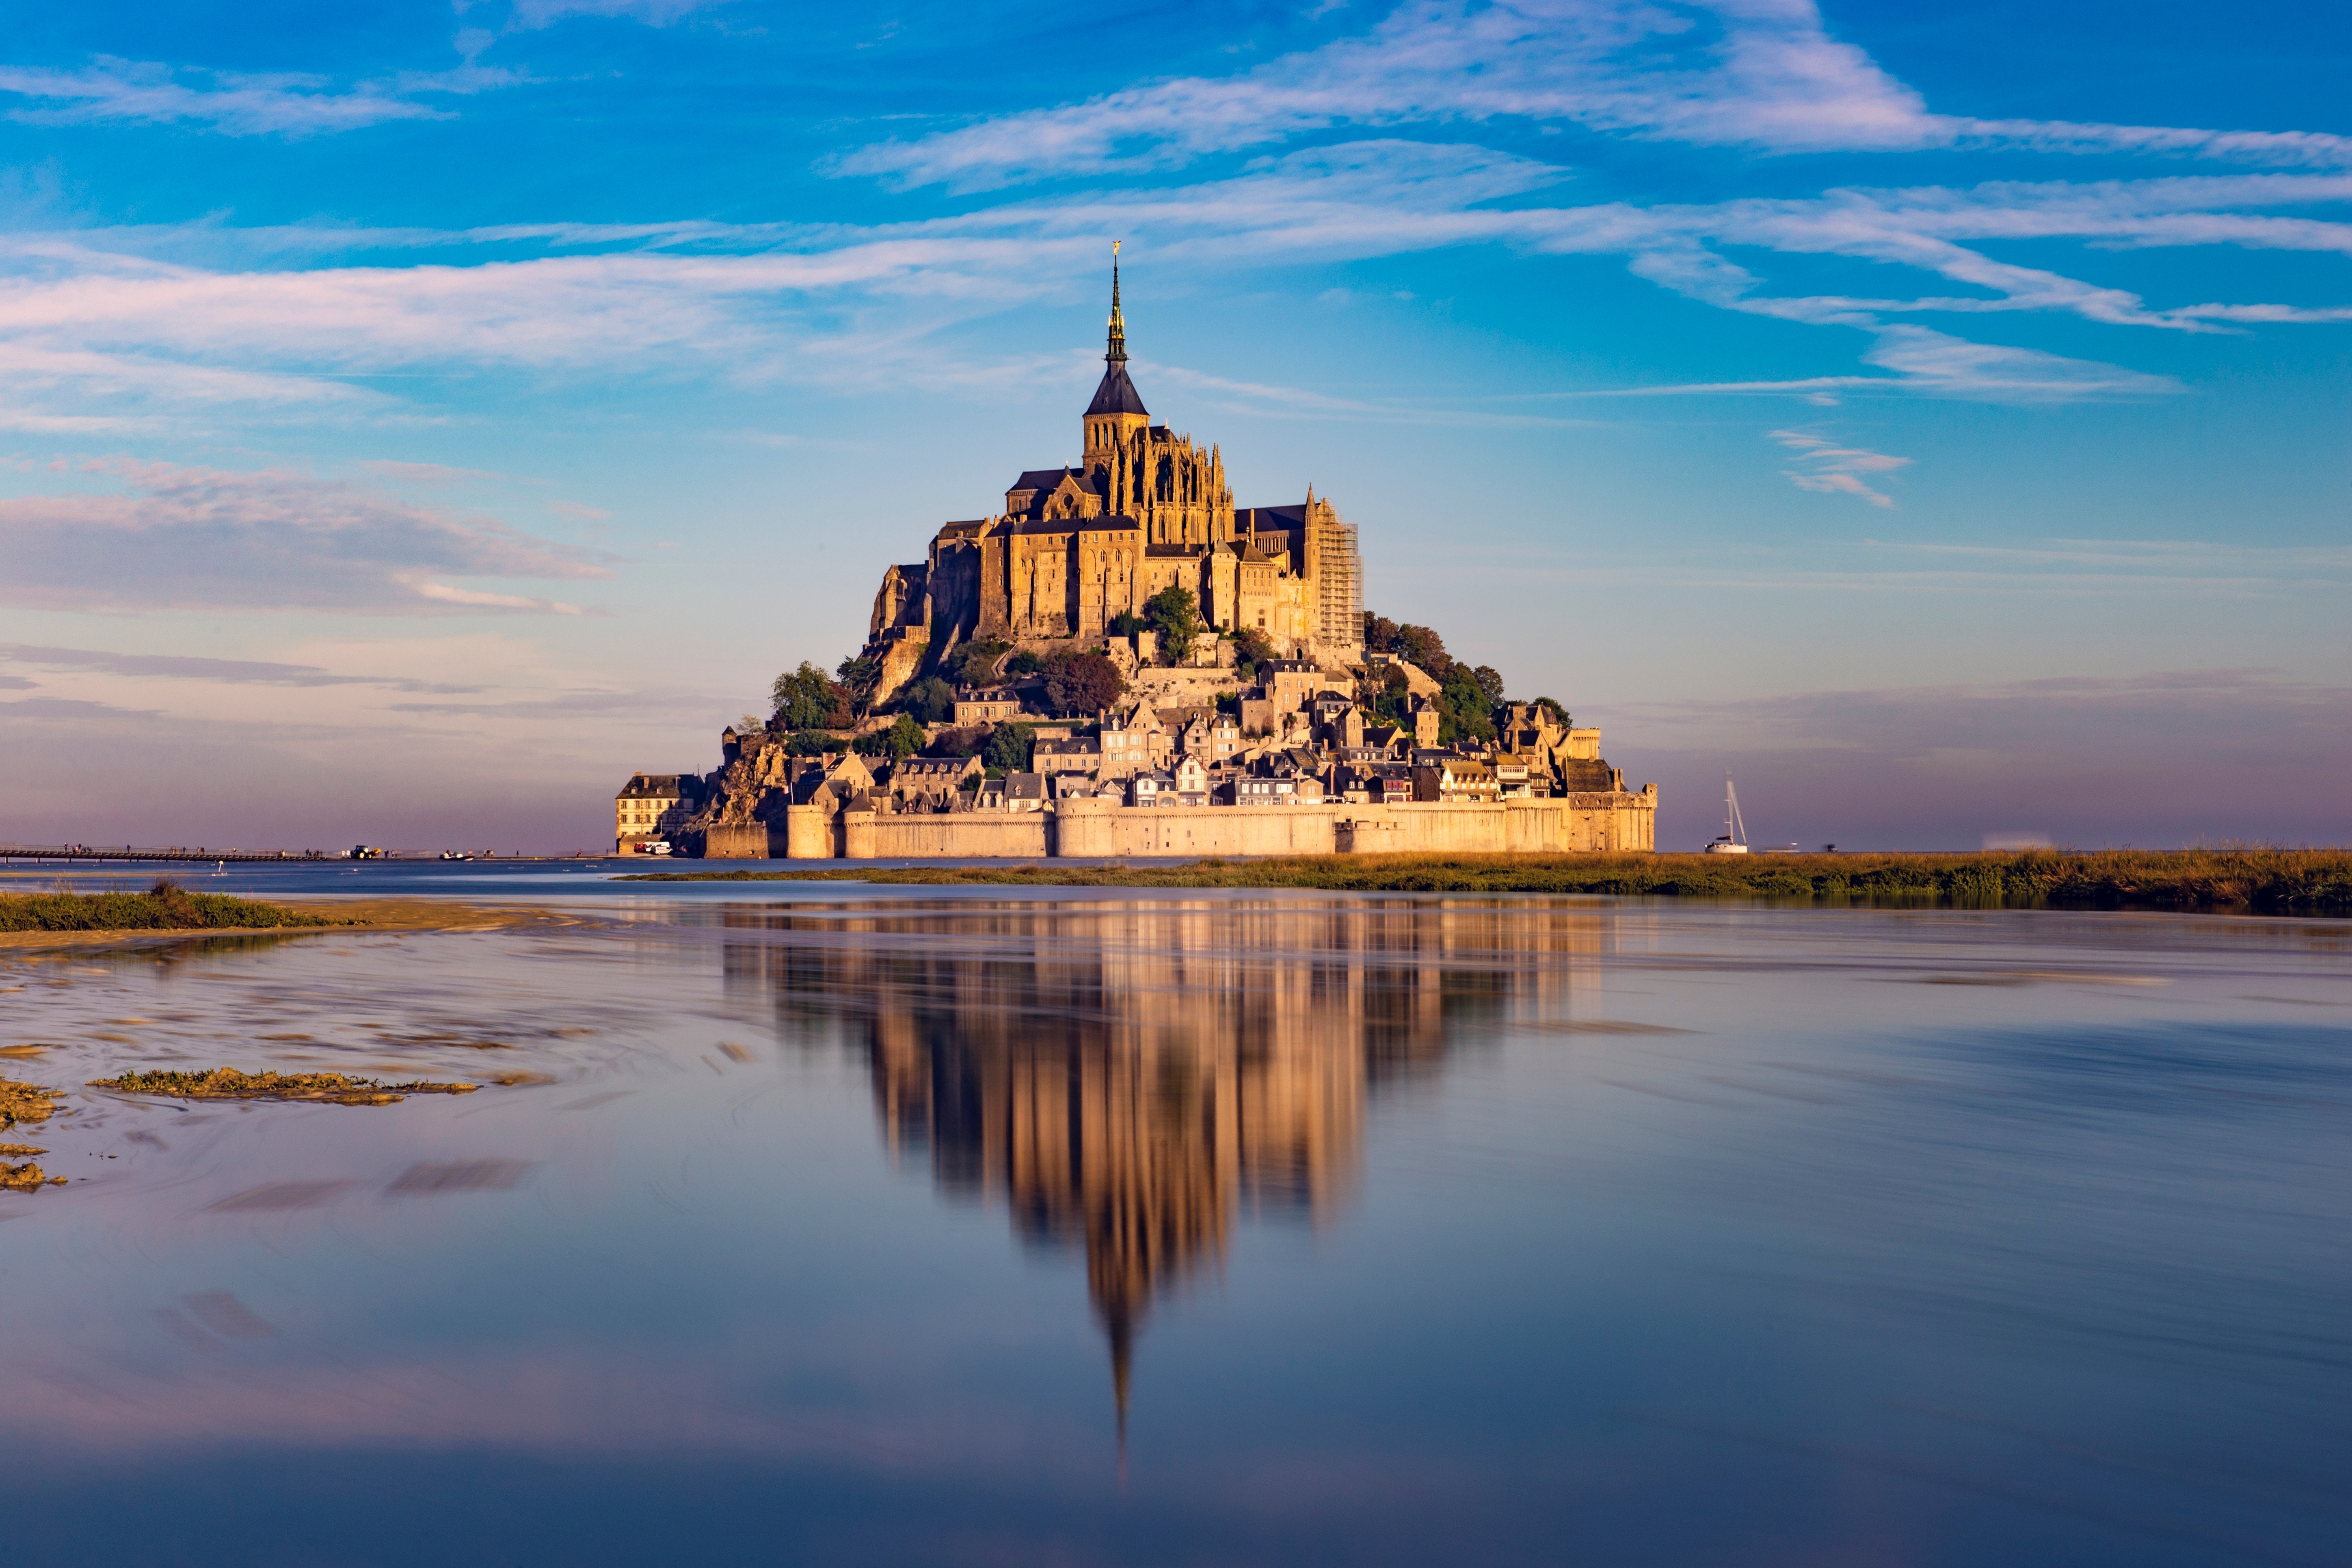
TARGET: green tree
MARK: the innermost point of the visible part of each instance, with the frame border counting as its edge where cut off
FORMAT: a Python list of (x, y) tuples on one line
[(808, 699), (1025, 662), (974, 664), (1252, 648), (1082, 683), (1175, 614), (1380, 634), (1422, 647), (1462, 711), (932, 700), (860, 678), (904, 738), (1490, 681), (1551, 706), (1009, 746), (1126, 624)]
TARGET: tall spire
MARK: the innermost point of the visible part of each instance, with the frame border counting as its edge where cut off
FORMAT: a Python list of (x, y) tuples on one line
[(1117, 354)]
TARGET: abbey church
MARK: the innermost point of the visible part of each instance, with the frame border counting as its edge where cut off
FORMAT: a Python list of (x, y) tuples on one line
[(1143, 508)]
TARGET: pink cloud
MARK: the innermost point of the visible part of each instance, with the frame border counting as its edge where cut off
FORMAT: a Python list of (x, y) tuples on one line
[(178, 537)]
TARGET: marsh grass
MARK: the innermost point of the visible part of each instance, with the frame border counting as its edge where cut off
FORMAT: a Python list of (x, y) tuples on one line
[(2250, 879), (166, 906), (228, 1083), (24, 1102), (26, 1178)]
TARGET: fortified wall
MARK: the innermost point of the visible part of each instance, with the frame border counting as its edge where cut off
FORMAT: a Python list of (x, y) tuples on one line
[(1102, 829)]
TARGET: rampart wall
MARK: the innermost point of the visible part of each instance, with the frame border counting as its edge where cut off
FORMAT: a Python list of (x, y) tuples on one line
[(1093, 829)]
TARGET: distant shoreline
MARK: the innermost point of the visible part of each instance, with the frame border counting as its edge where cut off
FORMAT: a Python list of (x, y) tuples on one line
[(2246, 881)]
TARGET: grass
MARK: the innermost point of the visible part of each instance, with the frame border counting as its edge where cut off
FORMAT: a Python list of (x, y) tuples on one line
[(26, 1178), (24, 1102), (2264, 881), (228, 1083), (166, 906)]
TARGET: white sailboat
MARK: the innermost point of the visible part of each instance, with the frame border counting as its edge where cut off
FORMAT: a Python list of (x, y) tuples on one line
[(1735, 831)]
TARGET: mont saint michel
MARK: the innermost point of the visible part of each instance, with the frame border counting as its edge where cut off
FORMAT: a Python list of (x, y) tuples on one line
[(1122, 661)]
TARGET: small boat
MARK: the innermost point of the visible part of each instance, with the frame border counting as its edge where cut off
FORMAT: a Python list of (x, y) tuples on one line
[(454, 855), (1735, 831)]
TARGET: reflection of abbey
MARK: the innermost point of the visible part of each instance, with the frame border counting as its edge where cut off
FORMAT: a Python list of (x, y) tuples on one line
[(1129, 1078), (1143, 508)]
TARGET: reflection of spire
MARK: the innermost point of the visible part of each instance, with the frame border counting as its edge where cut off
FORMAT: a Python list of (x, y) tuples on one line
[(1117, 354), (1122, 1362)]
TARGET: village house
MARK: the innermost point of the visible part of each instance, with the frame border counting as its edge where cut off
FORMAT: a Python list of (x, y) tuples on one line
[(651, 807)]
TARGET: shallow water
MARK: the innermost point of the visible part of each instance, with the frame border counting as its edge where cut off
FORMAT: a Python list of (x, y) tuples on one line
[(842, 1224)]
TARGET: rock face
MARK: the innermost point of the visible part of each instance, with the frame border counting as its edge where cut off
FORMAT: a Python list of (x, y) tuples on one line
[(760, 780)]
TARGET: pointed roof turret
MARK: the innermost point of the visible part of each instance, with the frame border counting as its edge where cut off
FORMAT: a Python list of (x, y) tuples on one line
[(1117, 395)]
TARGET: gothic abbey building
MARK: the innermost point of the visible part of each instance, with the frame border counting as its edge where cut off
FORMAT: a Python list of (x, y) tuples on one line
[(1143, 508)]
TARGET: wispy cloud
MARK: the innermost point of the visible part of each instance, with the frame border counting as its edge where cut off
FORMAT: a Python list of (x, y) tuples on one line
[(182, 666), (1825, 466), (1755, 73), (530, 14), (178, 537), (112, 327), (110, 90)]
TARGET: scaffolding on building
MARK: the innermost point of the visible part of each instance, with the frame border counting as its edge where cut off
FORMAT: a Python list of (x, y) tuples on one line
[(1339, 589)]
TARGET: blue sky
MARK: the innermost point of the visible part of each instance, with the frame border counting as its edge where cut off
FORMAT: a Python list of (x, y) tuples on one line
[(415, 418)]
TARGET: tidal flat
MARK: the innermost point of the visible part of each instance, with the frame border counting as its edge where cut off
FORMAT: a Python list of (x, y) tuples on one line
[(937, 1225)]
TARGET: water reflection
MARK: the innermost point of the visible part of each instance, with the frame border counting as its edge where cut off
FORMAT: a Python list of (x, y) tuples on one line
[(1126, 1076)]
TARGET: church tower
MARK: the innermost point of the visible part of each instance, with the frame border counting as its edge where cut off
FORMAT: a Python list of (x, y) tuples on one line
[(1116, 415)]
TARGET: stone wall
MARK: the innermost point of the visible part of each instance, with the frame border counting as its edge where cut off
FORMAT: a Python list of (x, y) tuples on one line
[(1583, 822), (1100, 829), (1105, 829), (968, 835), (738, 841)]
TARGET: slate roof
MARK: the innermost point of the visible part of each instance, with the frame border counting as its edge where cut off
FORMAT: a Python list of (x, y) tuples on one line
[(644, 786), (1117, 395)]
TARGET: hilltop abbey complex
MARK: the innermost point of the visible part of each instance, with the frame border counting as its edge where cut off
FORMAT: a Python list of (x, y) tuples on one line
[(1143, 508), (1033, 687)]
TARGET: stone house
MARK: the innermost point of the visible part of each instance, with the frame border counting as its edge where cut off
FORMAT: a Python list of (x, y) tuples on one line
[(932, 780), (1517, 775), (1151, 789), (1076, 754), (652, 805), (1456, 778), (986, 705), (1025, 792), (1134, 742), (1191, 782)]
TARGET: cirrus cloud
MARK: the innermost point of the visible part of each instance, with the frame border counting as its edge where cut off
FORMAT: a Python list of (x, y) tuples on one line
[(177, 537)]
